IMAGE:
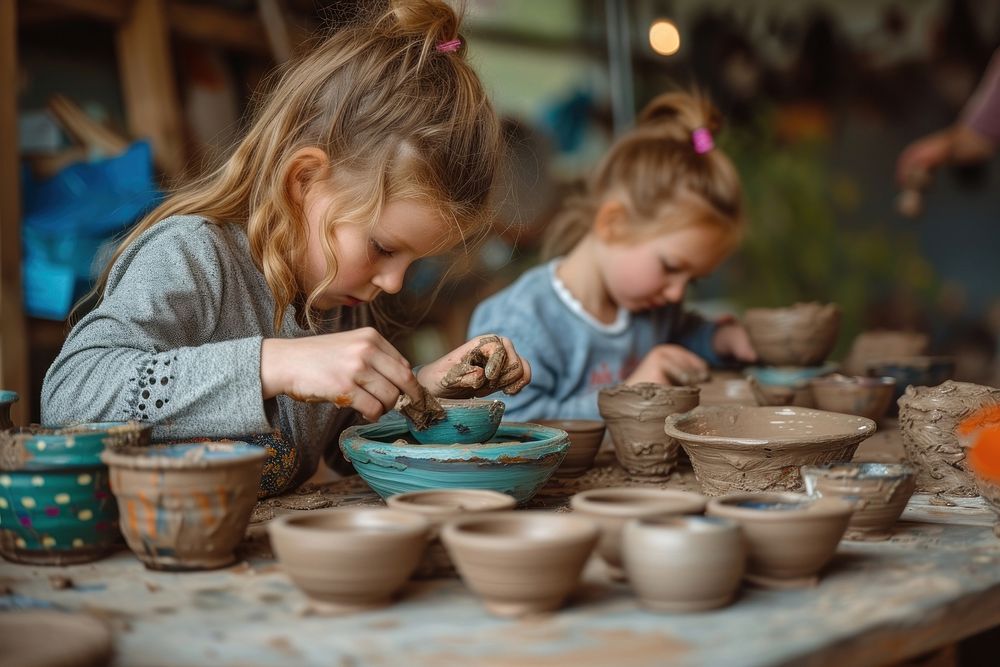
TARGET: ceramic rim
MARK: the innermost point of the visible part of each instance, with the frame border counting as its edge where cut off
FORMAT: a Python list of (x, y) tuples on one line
[(159, 457), (672, 428), (490, 501), (805, 506)]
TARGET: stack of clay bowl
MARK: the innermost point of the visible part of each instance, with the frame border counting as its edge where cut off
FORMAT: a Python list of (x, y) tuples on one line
[(634, 415), (186, 506), (793, 343), (738, 448), (56, 506)]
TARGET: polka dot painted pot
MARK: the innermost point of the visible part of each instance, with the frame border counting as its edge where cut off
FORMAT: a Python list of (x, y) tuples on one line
[(186, 506), (56, 506)]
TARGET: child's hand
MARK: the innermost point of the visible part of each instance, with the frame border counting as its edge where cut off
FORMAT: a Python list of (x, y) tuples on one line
[(358, 369), (480, 367), (732, 340), (670, 364)]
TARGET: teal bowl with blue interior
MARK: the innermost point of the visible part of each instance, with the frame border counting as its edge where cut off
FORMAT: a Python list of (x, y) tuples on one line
[(466, 421), (518, 460), (56, 506), (788, 376), (7, 399)]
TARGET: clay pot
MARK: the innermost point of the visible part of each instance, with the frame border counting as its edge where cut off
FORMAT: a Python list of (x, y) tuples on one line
[(684, 564), (789, 536), (634, 415), (520, 562), (801, 335), (880, 492), (56, 506), (186, 506), (518, 461), (349, 559), (441, 506), (787, 385), (7, 399), (585, 437), (736, 448), (466, 421), (928, 417), (916, 371), (50, 638), (612, 508), (854, 395), (874, 345)]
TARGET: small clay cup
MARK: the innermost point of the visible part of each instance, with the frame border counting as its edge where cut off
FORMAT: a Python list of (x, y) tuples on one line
[(928, 418), (880, 492), (684, 563), (186, 506), (612, 508), (634, 415), (7, 399), (585, 436), (520, 563), (854, 394), (349, 559), (466, 422), (439, 506), (919, 371), (800, 335), (789, 536)]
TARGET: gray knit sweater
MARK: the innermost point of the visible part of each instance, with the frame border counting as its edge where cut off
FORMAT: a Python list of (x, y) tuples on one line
[(176, 341)]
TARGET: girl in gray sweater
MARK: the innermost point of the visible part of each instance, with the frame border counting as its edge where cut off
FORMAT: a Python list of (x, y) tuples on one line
[(245, 306)]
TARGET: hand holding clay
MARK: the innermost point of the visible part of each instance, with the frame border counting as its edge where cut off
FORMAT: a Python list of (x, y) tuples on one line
[(670, 364), (732, 340), (482, 366), (358, 369)]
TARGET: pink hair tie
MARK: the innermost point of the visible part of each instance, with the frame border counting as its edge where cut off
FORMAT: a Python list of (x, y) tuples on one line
[(701, 138), (450, 46)]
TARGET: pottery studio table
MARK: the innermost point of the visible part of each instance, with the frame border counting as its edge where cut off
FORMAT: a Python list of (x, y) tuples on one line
[(935, 582)]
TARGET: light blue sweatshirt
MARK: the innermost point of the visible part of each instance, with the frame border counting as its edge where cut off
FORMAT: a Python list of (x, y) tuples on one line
[(572, 354)]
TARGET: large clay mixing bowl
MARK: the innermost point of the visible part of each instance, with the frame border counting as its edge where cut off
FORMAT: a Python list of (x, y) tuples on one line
[(349, 559), (518, 461), (801, 335), (739, 448), (789, 536)]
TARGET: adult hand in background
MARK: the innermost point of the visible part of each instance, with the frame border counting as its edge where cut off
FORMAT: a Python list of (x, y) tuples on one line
[(482, 366)]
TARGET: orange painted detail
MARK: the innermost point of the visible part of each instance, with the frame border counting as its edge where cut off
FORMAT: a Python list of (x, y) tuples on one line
[(984, 456), (988, 416), (343, 400), (132, 516), (206, 508), (149, 509), (223, 499)]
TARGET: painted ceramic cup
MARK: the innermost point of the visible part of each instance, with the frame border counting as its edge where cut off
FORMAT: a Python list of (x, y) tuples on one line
[(854, 395), (612, 508), (518, 461), (520, 562), (349, 559), (880, 492), (800, 335), (466, 421), (56, 506), (585, 437), (928, 419), (738, 448), (7, 399), (634, 415), (186, 506), (790, 537), (444, 505), (685, 563)]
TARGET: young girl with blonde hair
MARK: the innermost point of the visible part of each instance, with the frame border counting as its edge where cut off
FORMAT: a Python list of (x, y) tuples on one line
[(662, 209), (243, 304)]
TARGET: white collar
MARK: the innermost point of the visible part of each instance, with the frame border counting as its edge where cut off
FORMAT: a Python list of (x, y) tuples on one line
[(622, 320)]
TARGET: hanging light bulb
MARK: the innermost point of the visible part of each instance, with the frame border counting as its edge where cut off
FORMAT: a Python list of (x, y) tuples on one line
[(664, 37)]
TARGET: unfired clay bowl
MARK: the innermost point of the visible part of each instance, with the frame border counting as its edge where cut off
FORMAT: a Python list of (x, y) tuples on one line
[(880, 492), (185, 506), (612, 508), (854, 395), (440, 506), (736, 448), (789, 536), (787, 385), (585, 436), (928, 417), (916, 371), (466, 421), (349, 559), (634, 415), (520, 562), (684, 564), (801, 335)]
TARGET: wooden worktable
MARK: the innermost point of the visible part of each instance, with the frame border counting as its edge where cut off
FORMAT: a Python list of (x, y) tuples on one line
[(935, 582)]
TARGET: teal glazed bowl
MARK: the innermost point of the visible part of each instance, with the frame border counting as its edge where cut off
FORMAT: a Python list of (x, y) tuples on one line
[(56, 506), (7, 399), (517, 461), (465, 422)]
